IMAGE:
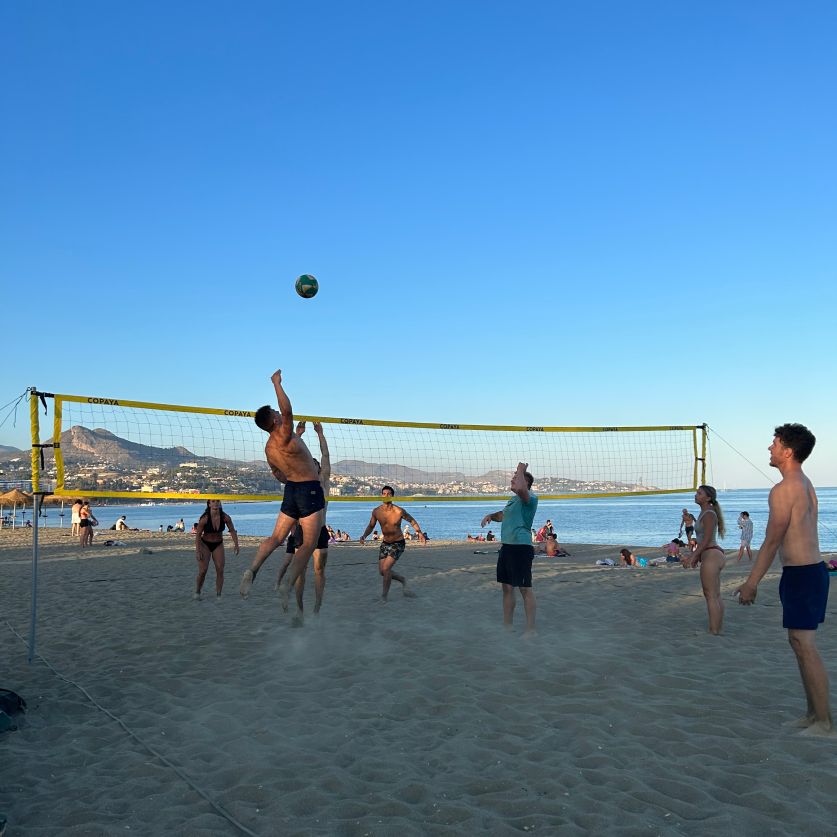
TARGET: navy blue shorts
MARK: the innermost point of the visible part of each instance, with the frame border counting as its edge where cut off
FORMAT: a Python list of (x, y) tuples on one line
[(514, 564), (302, 499), (322, 541), (804, 594)]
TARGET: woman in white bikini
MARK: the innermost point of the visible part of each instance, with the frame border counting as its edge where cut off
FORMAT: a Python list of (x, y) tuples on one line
[(711, 557)]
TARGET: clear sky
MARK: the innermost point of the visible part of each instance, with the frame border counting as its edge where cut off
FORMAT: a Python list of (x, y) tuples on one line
[(598, 213)]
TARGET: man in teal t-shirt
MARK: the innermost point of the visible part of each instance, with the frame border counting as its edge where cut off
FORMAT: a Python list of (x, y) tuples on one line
[(514, 564)]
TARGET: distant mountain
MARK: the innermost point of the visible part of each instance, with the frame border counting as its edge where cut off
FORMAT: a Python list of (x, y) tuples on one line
[(403, 474), (84, 446), (9, 448)]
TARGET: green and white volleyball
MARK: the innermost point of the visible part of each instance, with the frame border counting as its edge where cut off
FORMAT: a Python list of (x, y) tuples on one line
[(307, 286)]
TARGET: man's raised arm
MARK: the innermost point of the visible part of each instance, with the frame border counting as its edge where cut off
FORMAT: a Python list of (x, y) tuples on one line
[(284, 407), (521, 488), (325, 459), (779, 502)]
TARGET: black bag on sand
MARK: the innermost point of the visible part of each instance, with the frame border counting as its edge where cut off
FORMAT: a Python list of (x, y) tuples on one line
[(11, 702), (6, 723)]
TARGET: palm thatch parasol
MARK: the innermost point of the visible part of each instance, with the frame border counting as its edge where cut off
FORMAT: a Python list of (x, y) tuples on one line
[(14, 498)]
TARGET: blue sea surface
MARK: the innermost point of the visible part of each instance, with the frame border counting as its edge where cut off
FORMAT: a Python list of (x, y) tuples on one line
[(641, 521)]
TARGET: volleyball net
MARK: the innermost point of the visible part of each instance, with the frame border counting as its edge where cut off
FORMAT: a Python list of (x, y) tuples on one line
[(104, 447)]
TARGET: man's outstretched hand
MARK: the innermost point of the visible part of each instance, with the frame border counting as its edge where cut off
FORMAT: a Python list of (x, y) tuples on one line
[(746, 593), (485, 521)]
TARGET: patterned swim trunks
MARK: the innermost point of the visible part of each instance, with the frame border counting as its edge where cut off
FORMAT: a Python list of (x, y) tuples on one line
[(392, 550)]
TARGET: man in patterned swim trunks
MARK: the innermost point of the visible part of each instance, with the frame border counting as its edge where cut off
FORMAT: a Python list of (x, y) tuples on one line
[(389, 516)]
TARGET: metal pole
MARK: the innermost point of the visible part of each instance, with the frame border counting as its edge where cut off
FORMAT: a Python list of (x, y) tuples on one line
[(34, 586)]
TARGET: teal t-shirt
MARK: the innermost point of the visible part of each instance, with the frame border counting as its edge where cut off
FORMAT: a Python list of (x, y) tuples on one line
[(517, 520)]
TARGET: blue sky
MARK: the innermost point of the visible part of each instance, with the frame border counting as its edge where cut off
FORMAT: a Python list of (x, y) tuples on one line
[(539, 213)]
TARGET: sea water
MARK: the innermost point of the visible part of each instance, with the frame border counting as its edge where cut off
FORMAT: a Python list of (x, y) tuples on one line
[(641, 521)]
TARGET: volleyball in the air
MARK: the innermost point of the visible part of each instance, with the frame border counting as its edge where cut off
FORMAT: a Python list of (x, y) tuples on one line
[(307, 286)]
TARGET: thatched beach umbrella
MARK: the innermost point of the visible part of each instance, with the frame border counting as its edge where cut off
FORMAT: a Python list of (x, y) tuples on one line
[(14, 498)]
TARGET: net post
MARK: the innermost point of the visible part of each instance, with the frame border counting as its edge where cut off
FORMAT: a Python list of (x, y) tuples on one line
[(56, 444), (697, 458), (36, 487), (703, 457)]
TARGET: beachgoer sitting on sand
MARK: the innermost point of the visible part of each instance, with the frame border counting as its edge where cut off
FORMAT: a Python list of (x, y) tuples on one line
[(490, 536), (194, 529), (408, 535), (346, 536), (540, 535), (552, 548), (471, 537), (375, 536)]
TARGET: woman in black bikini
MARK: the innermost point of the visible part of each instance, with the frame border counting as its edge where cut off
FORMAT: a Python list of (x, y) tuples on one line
[(209, 543), (711, 556)]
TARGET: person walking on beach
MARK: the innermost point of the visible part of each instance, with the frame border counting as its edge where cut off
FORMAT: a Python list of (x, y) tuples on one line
[(209, 544), (389, 516), (75, 517), (321, 550), (746, 527), (709, 523), (303, 502), (687, 522), (514, 563), (803, 590)]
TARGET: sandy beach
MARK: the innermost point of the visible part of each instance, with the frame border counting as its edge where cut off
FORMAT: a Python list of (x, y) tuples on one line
[(417, 717)]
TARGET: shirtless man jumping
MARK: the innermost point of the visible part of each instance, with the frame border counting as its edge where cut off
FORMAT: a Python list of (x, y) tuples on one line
[(792, 532), (390, 516), (304, 502), (321, 550)]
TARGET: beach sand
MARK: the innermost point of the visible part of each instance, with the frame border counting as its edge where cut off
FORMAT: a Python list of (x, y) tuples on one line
[(417, 717)]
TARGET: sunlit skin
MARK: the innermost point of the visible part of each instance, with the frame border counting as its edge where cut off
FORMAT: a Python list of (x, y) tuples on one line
[(217, 556), (792, 535), (712, 561)]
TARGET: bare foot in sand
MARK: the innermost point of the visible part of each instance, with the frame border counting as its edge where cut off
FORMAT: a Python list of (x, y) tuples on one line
[(246, 584), (298, 621), (409, 594), (820, 729), (528, 633), (383, 600), (217, 598), (284, 591), (707, 633), (800, 723), (197, 596), (508, 628)]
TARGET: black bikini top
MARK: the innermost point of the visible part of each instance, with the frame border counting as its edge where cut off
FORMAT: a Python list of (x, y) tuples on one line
[(209, 529)]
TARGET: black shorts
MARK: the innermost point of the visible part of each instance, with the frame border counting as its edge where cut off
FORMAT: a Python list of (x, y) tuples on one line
[(83, 524), (689, 532), (514, 564), (322, 542), (804, 594), (392, 550), (302, 499)]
